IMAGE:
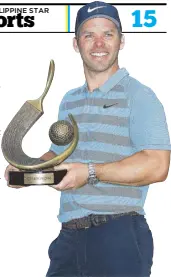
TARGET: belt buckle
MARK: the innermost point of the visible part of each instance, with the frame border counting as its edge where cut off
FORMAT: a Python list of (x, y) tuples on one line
[(98, 219)]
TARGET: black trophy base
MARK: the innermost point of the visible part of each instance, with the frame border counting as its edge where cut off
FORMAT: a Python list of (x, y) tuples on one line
[(30, 178)]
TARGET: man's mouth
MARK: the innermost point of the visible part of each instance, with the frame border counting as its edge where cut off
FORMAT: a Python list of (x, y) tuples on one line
[(99, 54)]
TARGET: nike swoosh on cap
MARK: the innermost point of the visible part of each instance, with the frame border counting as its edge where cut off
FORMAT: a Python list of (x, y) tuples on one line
[(93, 9)]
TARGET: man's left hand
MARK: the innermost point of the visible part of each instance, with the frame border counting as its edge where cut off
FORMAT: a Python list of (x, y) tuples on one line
[(76, 176)]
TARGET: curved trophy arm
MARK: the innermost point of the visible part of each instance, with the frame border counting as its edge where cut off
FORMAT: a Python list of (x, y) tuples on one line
[(25, 118), (38, 103)]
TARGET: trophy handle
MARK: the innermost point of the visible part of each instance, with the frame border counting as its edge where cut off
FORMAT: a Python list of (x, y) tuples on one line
[(21, 123), (38, 103)]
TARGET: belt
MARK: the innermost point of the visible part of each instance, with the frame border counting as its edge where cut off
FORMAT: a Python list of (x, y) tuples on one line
[(93, 220)]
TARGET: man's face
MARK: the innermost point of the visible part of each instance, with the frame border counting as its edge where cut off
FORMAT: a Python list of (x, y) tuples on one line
[(98, 43)]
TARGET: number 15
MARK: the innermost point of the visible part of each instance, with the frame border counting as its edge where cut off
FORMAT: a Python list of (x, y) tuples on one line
[(148, 16)]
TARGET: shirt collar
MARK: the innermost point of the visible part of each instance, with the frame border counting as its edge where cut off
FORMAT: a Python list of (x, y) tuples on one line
[(112, 81)]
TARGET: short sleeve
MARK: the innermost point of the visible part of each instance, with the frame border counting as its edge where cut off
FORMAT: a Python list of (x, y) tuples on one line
[(148, 126)]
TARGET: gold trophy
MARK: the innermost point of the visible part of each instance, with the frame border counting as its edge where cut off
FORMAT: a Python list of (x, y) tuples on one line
[(34, 171)]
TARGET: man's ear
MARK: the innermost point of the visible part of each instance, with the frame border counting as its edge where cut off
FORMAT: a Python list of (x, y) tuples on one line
[(122, 44), (75, 45)]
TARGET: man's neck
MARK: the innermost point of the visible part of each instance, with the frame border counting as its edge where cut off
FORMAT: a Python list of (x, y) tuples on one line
[(97, 79)]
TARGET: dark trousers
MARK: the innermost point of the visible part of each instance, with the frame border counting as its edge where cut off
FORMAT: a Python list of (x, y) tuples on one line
[(122, 247)]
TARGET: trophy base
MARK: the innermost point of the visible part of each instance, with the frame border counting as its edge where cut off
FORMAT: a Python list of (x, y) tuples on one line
[(30, 178)]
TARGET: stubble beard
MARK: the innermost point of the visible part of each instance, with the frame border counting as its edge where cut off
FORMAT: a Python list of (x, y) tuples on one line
[(99, 67)]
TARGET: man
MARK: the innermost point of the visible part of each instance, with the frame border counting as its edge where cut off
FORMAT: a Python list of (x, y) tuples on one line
[(123, 147)]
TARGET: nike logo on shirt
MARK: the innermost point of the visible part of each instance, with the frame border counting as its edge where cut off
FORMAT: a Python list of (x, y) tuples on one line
[(108, 106)]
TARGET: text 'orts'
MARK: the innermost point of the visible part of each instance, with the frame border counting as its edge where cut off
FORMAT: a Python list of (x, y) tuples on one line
[(16, 21)]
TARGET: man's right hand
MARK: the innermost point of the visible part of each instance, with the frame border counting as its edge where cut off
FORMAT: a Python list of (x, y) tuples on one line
[(11, 168)]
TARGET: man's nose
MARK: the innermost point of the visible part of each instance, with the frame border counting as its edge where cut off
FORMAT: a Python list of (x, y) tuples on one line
[(99, 42)]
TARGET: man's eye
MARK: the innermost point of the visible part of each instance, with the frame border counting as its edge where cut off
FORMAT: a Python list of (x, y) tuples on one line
[(108, 34), (88, 36)]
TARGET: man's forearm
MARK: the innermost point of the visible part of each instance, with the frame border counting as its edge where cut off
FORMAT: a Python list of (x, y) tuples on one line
[(48, 156), (138, 169)]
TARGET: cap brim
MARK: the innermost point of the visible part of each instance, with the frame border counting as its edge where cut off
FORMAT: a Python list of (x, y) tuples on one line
[(99, 16)]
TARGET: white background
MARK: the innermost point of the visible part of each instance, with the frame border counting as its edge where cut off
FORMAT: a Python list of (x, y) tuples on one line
[(28, 220)]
